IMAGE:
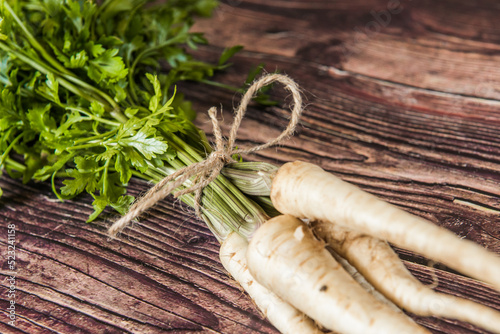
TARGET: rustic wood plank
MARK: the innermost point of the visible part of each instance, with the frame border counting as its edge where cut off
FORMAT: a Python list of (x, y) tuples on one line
[(160, 277), (410, 112)]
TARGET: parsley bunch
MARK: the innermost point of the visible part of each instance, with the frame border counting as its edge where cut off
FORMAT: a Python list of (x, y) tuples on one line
[(86, 95)]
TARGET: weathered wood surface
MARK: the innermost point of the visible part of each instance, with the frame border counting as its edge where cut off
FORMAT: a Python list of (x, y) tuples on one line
[(409, 111)]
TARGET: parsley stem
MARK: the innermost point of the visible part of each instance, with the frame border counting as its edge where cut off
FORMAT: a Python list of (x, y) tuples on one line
[(9, 148), (144, 176), (81, 147), (139, 57), (101, 136), (94, 117), (54, 189), (221, 85), (14, 164), (105, 179)]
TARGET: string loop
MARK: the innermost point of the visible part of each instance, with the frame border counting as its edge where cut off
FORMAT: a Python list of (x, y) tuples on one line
[(207, 170)]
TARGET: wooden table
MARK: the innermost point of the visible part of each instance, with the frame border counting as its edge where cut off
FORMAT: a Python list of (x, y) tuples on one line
[(403, 101)]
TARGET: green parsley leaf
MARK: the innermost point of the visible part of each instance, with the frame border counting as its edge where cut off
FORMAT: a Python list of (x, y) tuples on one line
[(88, 92), (107, 67), (100, 203), (79, 182), (123, 168), (145, 142)]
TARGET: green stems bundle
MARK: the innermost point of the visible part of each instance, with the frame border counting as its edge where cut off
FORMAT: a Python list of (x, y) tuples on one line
[(87, 97)]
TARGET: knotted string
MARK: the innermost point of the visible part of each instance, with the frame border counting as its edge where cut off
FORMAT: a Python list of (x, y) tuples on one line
[(207, 170)]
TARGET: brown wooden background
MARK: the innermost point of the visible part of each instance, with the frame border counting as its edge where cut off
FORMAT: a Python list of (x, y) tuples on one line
[(406, 106)]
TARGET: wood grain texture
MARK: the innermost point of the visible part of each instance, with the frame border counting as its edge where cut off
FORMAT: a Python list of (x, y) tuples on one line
[(409, 111)]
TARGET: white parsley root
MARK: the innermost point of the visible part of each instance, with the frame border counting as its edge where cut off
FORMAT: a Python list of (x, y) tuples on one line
[(305, 190), (286, 318), (286, 258), (358, 277), (381, 266)]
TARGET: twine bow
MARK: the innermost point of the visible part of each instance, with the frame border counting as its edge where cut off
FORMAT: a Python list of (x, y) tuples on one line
[(207, 170)]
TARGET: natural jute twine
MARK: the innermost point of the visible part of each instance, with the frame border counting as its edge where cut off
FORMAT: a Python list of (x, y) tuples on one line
[(207, 170)]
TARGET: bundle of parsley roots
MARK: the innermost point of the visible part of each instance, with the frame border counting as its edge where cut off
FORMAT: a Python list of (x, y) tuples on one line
[(88, 95)]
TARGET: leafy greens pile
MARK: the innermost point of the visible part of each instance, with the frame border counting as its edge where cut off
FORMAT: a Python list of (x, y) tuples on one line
[(87, 96)]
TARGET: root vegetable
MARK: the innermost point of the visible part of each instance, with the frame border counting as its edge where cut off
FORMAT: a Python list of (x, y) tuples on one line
[(305, 190), (286, 318), (286, 258), (381, 266), (362, 281)]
